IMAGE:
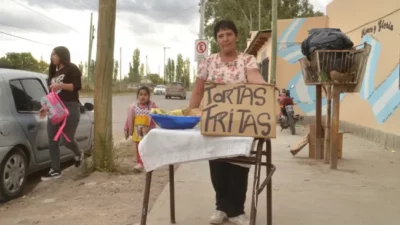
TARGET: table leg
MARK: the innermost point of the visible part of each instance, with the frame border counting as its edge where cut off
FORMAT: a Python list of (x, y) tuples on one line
[(269, 185), (172, 193), (146, 197), (256, 183)]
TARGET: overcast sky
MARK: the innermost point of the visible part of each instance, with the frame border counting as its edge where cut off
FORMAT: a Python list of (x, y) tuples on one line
[(148, 25)]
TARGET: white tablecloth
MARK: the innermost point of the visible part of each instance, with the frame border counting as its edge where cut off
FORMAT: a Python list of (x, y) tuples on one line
[(162, 147)]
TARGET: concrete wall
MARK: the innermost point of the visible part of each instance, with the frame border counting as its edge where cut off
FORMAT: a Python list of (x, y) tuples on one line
[(374, 113)]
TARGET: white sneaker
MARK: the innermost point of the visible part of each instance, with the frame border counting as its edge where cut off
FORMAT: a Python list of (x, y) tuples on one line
[(138, 168), (218, 217), (240, 220)]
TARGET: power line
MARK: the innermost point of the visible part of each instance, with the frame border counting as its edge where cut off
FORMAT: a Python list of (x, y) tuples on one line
[(26, 7), (174, 14), (26, 39), (180, 12)]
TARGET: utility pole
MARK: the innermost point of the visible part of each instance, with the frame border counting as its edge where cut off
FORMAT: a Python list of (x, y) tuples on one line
[(91, 37), (202, 12), (147, 67), (120, 64), (103, 142), (274, 27), (201, 27), (165, 48), (259, 15)]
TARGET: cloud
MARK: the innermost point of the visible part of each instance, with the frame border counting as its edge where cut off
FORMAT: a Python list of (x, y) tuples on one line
[(165, 11), (23, 21)]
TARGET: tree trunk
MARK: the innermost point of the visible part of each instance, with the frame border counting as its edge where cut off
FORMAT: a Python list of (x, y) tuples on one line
[(103, 143)]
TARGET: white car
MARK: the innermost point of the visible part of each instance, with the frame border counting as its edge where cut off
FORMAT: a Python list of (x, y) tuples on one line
[(159, 90)]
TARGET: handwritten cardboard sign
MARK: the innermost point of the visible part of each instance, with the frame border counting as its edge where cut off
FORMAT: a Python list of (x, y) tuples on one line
[(245, 110)]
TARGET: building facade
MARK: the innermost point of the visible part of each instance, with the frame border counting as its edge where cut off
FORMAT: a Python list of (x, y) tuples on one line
[(374, 112)]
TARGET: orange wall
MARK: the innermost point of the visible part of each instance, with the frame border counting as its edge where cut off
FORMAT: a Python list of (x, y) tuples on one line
[(378, 103), (379, 99)]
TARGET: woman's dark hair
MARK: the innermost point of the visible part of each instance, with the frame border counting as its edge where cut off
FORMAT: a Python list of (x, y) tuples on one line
[(225, 25), (65, 59), (143, 88)]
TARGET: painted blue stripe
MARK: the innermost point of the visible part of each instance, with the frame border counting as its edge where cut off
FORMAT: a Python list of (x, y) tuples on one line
[(289, 50), (381, 89), (305, 107), (293, 33), (373, 61), (295, 59), (394, 101)]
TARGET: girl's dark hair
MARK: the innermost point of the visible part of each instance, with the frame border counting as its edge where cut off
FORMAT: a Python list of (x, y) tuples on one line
[(143, 88), (225, 25), (65, 59)]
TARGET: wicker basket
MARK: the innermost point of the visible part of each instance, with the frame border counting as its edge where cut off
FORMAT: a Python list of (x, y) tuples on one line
[(340, 67)]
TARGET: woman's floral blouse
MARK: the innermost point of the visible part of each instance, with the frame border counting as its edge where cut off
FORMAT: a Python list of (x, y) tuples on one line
[(212, 69)]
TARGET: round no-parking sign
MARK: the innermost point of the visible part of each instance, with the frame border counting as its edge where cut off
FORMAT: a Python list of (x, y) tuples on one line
[(201, 49)]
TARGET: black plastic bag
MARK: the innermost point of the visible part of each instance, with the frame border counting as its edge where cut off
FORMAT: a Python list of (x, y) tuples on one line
[(325, 39)]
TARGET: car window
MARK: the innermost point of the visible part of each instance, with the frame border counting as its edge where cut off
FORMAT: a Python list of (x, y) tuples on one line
[(20, 98), (27, 94)]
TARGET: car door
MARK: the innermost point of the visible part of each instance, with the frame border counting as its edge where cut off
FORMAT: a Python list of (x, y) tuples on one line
[(84, 131), (27, 93)]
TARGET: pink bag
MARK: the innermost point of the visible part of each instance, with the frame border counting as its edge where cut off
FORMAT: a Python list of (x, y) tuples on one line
[(57, 113)]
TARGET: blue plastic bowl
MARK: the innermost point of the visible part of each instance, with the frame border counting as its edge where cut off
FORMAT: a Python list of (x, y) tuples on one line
[(175, 122)]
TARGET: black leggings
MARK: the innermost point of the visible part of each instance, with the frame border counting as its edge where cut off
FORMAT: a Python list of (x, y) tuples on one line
[(230, 185), (69, 130)]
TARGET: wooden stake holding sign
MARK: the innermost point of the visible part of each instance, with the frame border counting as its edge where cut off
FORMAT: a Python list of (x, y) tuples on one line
[(245, 110)]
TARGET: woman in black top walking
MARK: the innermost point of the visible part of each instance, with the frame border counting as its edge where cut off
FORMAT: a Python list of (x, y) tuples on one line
[(65, 79)]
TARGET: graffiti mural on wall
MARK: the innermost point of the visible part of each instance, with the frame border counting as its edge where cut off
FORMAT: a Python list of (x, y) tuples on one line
[(384, 99)]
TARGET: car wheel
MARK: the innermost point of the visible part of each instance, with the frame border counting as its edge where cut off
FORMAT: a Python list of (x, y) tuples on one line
[(13, 171)]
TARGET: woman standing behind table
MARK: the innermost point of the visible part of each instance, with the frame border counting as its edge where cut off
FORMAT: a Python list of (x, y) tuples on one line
[(65, 79), (227, 66)]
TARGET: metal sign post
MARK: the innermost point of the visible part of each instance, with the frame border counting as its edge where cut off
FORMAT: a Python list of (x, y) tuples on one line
[(201, 50)]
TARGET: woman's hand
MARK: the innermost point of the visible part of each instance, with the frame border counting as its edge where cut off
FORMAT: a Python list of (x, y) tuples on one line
[(67, 87), (254, 77), (43, 112), (56, 87)]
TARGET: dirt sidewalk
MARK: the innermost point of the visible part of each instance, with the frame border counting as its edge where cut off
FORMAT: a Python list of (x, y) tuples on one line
[(100, 199)]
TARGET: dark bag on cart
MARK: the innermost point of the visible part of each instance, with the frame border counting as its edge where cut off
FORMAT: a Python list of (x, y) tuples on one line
[(325, 39)]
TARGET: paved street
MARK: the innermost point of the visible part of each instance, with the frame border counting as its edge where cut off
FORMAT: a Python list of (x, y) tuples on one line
[(122, 102)]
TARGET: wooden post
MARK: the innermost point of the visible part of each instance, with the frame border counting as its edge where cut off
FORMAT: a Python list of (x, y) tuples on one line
[(103, 92), (318, 123), (335, 125), (328, 124), (274, 38)]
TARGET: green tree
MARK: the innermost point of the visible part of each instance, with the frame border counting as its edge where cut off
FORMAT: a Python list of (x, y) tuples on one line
[(186, 73), (170, 70), (179, 68), (141, 71), (130, 73), (81, 66), (245, 15), (155, 78), (135, 66), (92, 70), (115, 71), (21, 61), (85, 69)]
